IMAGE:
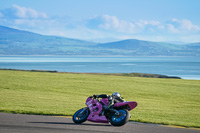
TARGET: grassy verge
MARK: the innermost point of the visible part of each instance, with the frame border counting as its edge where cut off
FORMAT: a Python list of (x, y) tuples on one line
[(165, 101)]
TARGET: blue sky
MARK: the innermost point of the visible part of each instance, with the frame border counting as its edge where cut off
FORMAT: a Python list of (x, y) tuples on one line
[(106, 20)]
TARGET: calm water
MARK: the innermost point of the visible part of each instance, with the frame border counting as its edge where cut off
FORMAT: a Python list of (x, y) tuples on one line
[(184, 67)]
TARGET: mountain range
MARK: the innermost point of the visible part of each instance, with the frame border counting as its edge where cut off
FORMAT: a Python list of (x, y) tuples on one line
[(18, 42)]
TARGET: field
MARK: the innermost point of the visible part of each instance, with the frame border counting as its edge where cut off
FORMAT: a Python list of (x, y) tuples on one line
[(164, 101)]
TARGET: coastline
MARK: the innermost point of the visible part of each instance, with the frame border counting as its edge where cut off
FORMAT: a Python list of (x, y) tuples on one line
[(144, 75), (183, 67)]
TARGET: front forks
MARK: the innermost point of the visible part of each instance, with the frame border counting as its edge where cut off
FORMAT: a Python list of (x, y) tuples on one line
[(84, 109)]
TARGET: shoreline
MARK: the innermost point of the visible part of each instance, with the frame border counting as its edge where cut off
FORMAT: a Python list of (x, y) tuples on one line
[(144, 75), (47, 55)]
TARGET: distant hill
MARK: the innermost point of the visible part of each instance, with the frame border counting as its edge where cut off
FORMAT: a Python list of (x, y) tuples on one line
[(18, 42), (139, 47)]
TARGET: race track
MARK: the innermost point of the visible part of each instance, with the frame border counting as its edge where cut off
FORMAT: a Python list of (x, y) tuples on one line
[(18, 123)]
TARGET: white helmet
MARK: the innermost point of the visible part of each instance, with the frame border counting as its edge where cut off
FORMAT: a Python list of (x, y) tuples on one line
[(116, 94)]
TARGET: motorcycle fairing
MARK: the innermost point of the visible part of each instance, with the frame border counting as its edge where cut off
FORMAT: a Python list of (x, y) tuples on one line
[(105, 101), (131, 104), (95, 108)]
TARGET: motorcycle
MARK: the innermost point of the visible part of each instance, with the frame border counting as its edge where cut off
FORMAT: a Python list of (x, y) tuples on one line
[(98, 111)]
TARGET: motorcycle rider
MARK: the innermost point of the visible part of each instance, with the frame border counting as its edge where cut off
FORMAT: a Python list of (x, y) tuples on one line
[(114, 98)]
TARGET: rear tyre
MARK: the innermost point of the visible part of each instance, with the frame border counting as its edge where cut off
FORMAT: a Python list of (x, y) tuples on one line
[(121, 119), (80, 117)]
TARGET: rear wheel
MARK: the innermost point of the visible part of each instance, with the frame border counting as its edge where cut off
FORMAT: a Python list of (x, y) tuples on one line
[(80, 116), (121, 118)]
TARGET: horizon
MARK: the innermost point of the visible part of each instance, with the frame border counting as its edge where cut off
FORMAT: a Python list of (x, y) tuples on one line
[(106, 21)]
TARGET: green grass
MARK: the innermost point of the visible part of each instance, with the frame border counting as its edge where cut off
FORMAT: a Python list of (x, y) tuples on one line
[(165, 101)]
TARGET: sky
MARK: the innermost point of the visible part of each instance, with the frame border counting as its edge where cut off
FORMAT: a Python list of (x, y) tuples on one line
[(106, 20)]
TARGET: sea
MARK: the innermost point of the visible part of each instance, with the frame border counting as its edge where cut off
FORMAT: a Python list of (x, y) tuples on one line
[(184, 67)]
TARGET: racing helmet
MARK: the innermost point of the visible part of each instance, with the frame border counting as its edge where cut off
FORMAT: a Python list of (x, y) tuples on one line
[(116, 94)]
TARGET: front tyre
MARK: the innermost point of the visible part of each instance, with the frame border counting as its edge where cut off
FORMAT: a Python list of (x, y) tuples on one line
[(80, 116), (120, 119)]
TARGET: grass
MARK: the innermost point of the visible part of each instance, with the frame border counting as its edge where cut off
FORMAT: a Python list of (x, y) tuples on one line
[(164, 101)]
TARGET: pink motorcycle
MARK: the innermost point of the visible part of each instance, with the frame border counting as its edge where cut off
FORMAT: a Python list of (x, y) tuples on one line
[(98, 111)]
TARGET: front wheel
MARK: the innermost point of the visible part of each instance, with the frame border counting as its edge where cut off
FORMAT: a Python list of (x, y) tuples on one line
[(121, 118), (81, 115)]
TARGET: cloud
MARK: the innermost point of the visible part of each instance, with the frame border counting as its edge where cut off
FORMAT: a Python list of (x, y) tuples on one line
[(174, 26), (143, 23), (113, 24), (19, 12), (25, 18), (183, 26), (23, 12), (109, 24)]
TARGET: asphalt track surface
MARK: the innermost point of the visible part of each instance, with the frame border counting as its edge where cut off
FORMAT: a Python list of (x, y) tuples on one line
[(18, 123)]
